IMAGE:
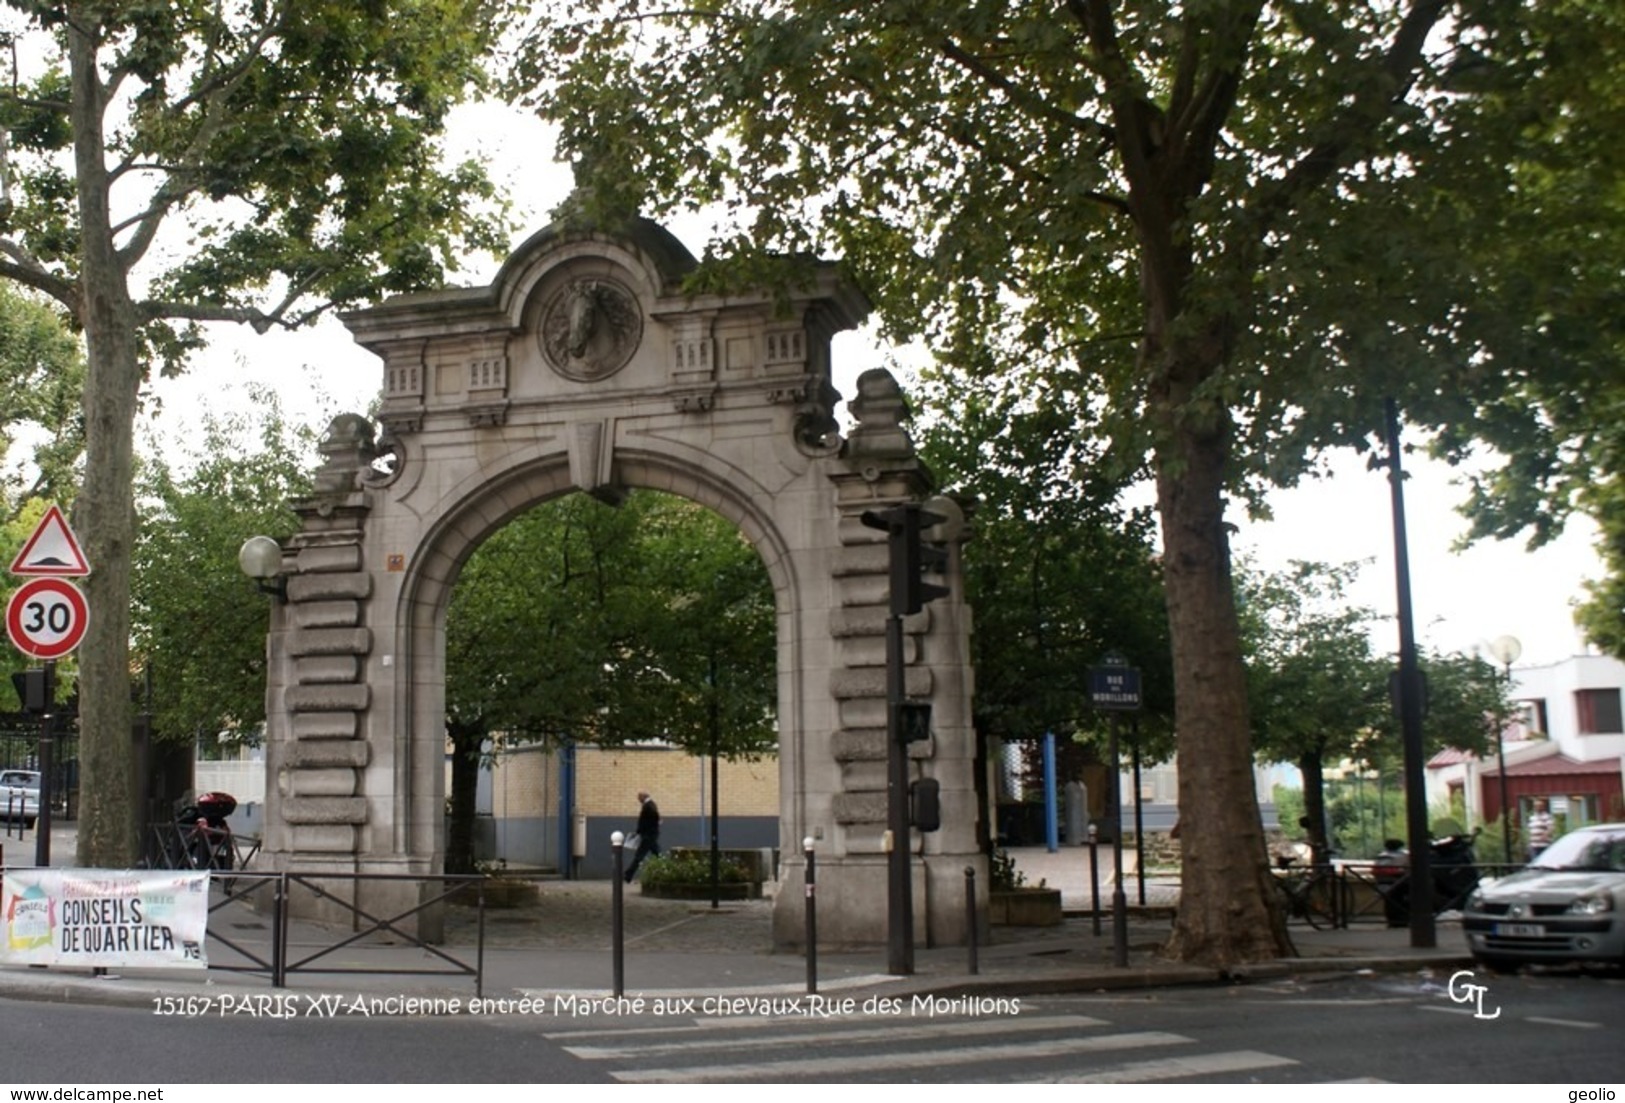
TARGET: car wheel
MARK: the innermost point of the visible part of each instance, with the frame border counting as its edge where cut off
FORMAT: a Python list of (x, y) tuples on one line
[(29, 823), (1499, 965)]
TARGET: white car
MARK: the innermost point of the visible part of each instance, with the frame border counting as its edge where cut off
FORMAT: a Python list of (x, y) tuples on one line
[(19, 796), (1566, 905)]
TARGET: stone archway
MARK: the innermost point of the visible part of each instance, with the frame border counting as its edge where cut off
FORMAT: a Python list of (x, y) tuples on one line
[(583, 367)]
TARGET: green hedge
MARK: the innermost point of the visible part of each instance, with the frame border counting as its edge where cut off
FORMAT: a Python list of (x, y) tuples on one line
[(668, 869)]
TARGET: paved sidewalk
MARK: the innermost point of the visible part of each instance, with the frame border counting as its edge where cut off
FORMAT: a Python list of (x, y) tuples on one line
[(562, 944)]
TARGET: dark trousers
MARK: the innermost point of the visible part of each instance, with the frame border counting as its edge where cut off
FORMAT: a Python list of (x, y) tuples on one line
[(647, 845)]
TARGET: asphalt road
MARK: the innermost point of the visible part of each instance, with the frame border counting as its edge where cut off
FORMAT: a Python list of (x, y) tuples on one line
[(54, 1045), (1550, 1028)]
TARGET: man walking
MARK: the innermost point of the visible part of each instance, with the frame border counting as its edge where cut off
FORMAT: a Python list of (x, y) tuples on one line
[(1538, 831), (648, 832)]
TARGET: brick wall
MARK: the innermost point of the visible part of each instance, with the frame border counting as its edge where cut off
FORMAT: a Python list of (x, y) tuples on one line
[(526, 783), (607, 783)]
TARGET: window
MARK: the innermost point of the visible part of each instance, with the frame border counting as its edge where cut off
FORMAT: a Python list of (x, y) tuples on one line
[(1598, 711), (1535, 715)]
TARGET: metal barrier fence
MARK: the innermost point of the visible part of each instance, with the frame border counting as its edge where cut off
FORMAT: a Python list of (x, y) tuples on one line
[(273, 897), (198, 846), (1350, 892)]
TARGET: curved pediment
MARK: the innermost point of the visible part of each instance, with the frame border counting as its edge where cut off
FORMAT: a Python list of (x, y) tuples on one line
[(583, 314)]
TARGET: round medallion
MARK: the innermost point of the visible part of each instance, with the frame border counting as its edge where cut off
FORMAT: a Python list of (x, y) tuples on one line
[(590, 329)]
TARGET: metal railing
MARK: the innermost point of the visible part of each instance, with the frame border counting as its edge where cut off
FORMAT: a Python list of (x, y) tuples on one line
[(273, 900), (1345, 893), (198, 846)]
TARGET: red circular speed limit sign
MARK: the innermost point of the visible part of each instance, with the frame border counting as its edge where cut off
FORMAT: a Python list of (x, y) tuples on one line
[(46, 617)]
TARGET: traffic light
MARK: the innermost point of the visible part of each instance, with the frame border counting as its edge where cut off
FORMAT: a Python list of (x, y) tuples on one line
[(913, 721), (911, 557), (33, 689)]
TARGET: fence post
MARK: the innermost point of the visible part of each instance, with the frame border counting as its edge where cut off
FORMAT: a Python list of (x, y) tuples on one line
[(279, 931), (970, 919), (479, 952), (617, 843), (812, 916)]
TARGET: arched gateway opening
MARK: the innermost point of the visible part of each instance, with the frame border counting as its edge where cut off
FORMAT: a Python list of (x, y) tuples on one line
[(583, 367)]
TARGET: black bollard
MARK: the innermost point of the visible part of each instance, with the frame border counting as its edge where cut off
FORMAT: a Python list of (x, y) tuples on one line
[(812, 916), (970, 920), (1094, 878), (617, 843)]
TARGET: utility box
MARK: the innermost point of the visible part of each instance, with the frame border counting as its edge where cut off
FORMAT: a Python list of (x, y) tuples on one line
[(1076, 798)]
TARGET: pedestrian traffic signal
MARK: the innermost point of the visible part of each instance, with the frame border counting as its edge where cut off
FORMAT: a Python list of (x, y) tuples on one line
[(913, 721), (911, 556), (925, 804), (33, 689)]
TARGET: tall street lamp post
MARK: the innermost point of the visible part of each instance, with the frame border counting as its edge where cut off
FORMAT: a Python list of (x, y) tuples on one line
[(1506, 649), (1409, 702)]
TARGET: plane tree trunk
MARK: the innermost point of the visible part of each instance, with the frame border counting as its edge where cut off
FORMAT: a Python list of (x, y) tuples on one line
[(104, 514)]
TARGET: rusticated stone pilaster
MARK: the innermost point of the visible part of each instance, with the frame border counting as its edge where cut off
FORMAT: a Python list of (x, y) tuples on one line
[(320, 771)]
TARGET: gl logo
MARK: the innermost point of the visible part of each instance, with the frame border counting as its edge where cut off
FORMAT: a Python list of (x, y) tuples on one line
[(1468, 992)]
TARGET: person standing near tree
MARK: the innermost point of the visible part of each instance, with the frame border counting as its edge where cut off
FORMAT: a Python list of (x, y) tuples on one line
[(1538, 830), (647, 831)]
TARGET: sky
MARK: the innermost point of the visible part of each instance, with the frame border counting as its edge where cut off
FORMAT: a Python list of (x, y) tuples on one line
[(1462, 600)]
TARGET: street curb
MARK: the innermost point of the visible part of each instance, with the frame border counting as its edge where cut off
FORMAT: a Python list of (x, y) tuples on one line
[(143, 992)]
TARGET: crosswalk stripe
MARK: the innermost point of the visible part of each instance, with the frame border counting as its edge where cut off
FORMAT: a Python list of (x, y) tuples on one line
[(1173, 1068), (890, 1031), (850, 1064), (1580, 1024), (733, 1024)]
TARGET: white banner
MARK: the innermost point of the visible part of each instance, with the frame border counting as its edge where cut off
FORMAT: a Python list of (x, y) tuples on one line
[(101, 917)]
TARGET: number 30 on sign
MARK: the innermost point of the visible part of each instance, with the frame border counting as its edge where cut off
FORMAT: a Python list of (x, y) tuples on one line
[(46, 617)]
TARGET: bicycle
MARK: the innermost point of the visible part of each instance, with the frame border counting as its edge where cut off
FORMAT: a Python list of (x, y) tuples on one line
[(1312, 895)]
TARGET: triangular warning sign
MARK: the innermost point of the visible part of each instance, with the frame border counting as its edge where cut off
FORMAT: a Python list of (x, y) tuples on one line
[(52, 550)]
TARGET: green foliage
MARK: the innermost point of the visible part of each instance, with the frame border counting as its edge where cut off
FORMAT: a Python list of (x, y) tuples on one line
[(14, 530), (1363, 813), (981, 168), (230, 162), (300, 149), (1288, 801), (1003, 874), (1466, 708), (42, 370), (1320, 697), (577, 620), (1489, 848), (199, 623), (1546, 81), (1058, 572), (689, 869), (607, 625), (1219, 233), (1315, 687)]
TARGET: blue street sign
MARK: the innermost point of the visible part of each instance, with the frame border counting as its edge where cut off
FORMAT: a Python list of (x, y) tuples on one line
[(1114, 686)]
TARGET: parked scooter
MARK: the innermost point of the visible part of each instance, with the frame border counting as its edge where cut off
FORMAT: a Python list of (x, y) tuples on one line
[(1454, 873), (204, 832)]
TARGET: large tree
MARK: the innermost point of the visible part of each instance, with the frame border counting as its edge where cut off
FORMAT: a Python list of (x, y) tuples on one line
[(198, 624), (166, 165), (1228, 230)]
